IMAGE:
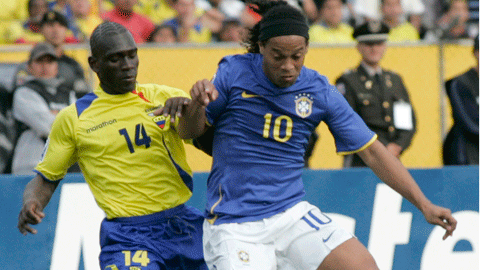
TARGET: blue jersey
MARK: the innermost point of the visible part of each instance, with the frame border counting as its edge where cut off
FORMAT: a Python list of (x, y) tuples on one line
[(261, 133)]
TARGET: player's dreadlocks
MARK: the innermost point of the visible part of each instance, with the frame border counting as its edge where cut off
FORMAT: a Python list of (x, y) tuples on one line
[(278, 19), (101, 33)]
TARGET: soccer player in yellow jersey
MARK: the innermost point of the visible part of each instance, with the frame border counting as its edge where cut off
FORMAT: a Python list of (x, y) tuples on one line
[(133, 161)]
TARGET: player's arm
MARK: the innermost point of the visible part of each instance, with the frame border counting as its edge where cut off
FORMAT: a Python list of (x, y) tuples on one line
[(391, 171), (36, 196), (191, 113)]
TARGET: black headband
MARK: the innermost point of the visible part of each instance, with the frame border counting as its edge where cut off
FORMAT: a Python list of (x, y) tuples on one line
[(283, 20), (283, 28)]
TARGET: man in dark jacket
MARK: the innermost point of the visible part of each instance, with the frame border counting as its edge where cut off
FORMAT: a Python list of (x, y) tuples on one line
[(379, 96), (461, 144)]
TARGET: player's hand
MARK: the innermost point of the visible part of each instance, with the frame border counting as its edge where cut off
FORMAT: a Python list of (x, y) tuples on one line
[(174, 107), (31, 213), (435, 214), (203, 92)]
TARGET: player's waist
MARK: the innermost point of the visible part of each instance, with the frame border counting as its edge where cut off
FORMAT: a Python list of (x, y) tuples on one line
[(155, 217)]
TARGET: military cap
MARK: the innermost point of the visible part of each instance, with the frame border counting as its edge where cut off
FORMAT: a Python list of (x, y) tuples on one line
[(371, 31), (42, 49), (54, 16)]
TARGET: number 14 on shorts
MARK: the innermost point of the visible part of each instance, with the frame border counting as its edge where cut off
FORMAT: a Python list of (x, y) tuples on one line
[(139, 257)]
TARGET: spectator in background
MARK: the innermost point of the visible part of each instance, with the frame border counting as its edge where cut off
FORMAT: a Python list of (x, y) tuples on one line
[(187, 23), (453, 23), (378, 95), (62, 6), (84, 20), (461, 144), (54, 30), (232, 31), (140, 26), (28, 31), (249, 17), (413, 12), (35, 105), (13, 10), (156, 10), (163, 34), (228, 9), (399, 30), (330, 28), (7, 130), (371, 9)]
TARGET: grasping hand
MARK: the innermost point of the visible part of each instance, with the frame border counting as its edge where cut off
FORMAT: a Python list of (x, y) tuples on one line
[(203, 92), (174, 107)]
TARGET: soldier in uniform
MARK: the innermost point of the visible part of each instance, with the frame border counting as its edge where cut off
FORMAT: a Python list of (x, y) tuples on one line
[(378, 95)]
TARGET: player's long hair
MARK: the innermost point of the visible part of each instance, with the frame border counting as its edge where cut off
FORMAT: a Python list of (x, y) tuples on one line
[(260, 7)]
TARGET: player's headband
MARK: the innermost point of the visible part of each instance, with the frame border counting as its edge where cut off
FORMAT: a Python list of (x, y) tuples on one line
[(283, 21)]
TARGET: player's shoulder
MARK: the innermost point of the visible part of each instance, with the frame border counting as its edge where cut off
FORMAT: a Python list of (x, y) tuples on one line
[(236, 59), (82, 103), (151, 90), (315, 76)]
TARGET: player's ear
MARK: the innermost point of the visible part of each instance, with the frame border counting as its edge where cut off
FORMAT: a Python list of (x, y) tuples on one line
[(261, 47), (93, 63)]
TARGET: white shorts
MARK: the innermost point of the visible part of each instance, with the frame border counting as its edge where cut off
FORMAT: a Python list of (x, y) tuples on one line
[(298, 238)]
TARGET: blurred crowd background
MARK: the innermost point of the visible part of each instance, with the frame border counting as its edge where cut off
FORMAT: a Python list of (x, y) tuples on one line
[(37, 83), (203, 21)]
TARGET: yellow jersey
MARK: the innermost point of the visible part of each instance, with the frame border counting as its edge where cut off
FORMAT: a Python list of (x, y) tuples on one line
[(341, 34), (133, 162)]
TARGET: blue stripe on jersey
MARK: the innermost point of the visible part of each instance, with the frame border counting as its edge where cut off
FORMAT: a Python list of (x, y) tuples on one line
[(187, 179), (84, 102), (44, 177)]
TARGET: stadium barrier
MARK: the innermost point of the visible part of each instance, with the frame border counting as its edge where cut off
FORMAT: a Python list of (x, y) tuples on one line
[(394, 231), (423, 67)]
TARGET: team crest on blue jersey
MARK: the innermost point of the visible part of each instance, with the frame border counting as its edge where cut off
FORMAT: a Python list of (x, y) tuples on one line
[(303, 105)]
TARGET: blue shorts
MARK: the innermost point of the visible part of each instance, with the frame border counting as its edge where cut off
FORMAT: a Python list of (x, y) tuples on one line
[(171, 239)]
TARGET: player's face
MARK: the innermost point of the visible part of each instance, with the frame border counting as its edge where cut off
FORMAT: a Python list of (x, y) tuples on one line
[(283, 59), (372, 52), (117, 67)]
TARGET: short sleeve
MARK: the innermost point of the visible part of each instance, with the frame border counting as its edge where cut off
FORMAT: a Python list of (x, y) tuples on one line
[(60, 151), (350, 132), (221, 81)]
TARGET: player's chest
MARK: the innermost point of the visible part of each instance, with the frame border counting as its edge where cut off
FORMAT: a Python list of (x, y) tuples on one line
[(119, 128), (300, 105)]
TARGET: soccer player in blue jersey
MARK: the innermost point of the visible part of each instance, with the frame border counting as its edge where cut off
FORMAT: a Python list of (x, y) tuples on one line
[(133, 161), (268, 105)]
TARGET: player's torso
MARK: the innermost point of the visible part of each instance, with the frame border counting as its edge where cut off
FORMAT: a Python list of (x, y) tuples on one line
[(133, 161), (119, 129), (269, 121)]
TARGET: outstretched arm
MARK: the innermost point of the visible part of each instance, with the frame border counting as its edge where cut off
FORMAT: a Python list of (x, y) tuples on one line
[(36, 196), (391, 171)]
